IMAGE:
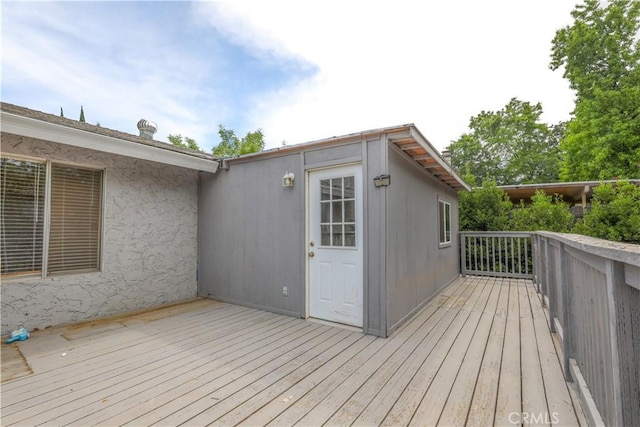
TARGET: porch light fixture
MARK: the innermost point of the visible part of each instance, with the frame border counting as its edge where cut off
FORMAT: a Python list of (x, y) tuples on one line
[(382, 180), (287, 179)]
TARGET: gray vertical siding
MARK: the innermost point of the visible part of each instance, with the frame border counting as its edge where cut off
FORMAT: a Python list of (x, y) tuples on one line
[(416, 266), (251, 235), (375, 308), (150, 250)]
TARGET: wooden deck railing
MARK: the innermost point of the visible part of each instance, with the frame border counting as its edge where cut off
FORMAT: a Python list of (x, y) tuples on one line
[(498, 254), (591, 288)]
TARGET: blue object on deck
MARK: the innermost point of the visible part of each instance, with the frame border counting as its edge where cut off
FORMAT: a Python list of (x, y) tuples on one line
[(18, 335)]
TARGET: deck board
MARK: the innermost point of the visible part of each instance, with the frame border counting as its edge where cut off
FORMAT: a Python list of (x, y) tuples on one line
[(556, 390), (476, 354), (127, 362), (534, 400), (483, 403), (435, 399), (458, 402), (509, 398)]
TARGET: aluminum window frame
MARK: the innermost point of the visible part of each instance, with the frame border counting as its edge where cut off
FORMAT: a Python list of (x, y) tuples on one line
[(44, 274), (444, 224)]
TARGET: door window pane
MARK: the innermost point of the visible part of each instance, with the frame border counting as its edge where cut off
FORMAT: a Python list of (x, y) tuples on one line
[(337, 235), (349, 187), (337, 212), (325, 235), (324, 212), (350, 235), (325, 188), (336, 187), (350, 211)]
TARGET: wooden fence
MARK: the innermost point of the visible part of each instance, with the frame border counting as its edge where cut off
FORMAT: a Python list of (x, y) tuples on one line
[(591, 288), (498, 254)]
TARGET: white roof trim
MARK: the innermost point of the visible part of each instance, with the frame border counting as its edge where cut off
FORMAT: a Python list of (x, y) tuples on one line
[(33, 128)]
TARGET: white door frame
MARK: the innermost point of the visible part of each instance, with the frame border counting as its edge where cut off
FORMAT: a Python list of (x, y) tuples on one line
[(360, 195)]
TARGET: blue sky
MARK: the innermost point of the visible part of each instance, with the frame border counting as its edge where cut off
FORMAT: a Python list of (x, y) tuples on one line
[(298, 70)]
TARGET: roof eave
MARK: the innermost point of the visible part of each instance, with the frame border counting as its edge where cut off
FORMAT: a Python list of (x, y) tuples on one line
[(33, 128)]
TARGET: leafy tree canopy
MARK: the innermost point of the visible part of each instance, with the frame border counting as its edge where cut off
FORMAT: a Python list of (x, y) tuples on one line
[(509, 146), (82, 115), (232, 146), (185, 142), (600, 55)]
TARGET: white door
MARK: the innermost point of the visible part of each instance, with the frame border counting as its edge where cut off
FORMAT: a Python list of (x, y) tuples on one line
[(334, 246)]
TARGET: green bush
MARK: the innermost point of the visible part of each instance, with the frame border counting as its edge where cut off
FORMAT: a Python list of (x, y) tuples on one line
[(614, 213), (486, 208), (548, 213)]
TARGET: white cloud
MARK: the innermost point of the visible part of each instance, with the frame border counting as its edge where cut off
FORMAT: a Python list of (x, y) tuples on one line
[(370, 63), (120, 71), (384, 63)]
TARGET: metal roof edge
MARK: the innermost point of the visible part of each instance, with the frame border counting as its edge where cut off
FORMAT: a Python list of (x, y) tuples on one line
[(21, 125), (318, 143)]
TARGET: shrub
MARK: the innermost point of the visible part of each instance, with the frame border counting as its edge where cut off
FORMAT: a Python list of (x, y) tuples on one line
[(548, 213), (485, 208), (614, 213)]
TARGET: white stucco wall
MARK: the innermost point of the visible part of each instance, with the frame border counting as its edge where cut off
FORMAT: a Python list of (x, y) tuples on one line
[(150, 243)]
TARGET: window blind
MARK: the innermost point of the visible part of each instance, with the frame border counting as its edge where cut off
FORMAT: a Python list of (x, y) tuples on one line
[(22, 203), (74, 236)]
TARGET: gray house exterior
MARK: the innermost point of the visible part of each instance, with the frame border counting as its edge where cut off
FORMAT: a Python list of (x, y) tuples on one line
[(257, 245), (365, 235)]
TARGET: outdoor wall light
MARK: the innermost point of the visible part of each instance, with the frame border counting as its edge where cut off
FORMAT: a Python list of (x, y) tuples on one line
[(382, 180), (287, 179)]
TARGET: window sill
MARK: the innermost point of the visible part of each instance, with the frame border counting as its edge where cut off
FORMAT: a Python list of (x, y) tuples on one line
[(38, 277)]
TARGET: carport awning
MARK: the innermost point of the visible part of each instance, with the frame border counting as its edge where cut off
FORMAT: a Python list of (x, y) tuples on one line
[(416, 146)]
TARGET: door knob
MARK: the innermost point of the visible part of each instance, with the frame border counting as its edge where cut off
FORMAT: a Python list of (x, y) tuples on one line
[(311, 254)]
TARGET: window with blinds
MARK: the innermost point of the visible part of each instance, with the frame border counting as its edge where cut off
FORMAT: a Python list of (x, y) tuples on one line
[(75, 212), (21, 216), (74, 236)]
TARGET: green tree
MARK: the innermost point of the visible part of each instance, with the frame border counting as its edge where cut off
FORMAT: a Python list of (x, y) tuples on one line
[(82, 115), (61, 112), (614, 213), (485, 208), (510, 146), (546, 212), (185, 142), (232, 146), (600, 55)]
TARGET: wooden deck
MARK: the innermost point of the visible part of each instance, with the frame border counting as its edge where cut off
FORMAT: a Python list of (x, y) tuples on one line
[(479, 354)]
